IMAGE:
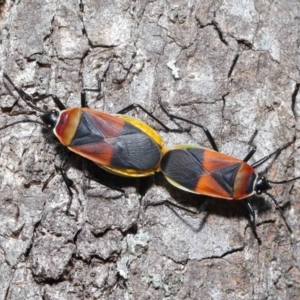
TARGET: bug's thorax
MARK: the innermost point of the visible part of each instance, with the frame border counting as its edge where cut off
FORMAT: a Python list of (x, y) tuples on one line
[(67, 124), (245, 182)]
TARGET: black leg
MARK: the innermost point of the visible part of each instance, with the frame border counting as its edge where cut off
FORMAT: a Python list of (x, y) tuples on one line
[(277, 151), (29, 99), (135, 105), (81, 6), (280, 211), (55, 99), (249, 155), (251, 214), (252, 218), (204, 205), (128, 108), (84, 90), (48, 180), (253, 150), (68, 182), (88, 176), (206, 131), (192, 226), (170, 203)]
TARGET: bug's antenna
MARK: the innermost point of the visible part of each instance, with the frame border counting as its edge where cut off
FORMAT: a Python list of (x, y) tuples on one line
[(284, 181), (21, 121), (27, 98), (280, 211), (293, 240)]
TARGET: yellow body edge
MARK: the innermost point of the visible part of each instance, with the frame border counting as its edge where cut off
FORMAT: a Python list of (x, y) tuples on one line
[(149, 132), (188, 146), (129, 172), (174, 183)]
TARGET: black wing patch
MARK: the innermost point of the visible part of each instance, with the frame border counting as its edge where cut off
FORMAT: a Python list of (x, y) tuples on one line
[(130, 147), (187, 166), (135, 150), (88, 131), (183, 167), (225, 177)]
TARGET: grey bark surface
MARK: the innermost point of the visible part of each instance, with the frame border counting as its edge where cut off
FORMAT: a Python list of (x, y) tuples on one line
[(232, 66)]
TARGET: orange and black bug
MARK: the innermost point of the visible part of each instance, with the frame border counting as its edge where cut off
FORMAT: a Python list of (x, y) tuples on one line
[(117, 143), (208, 172)]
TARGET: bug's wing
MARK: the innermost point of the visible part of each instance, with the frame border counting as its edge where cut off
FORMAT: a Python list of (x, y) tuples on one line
[(201, 171), (111, 141)]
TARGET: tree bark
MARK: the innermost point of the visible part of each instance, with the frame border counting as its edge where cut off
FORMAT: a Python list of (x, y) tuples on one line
[(232, 66)]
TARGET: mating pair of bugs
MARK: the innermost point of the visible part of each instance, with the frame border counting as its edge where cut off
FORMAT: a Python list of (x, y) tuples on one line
[(127, 146)]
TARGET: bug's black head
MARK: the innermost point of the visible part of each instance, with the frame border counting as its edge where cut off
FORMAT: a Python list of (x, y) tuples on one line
[(50, 119), (262, 185)]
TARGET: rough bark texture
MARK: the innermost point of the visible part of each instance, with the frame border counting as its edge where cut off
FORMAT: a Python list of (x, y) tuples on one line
[(231, 65)]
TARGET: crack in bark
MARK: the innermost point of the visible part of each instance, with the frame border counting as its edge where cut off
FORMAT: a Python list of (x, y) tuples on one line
[(236, 57), (294, 98), (229, 252), (216, 27), (220, 32), (224, 103), (245, 43)]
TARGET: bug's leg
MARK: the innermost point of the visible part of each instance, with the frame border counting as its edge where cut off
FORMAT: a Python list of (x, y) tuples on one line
[(68, 182), (81, 6), (205, 130), (280, 211), (135, 105), (253, 136), (84, 90), (48, 180), (29, 99), (252, 218), (251, 214), (204, 205), (173, 205), (144, 184), (128, 108), (55, 99), (170, 203), (276, 152), (88, 176), (253, 147), (250, 154)]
